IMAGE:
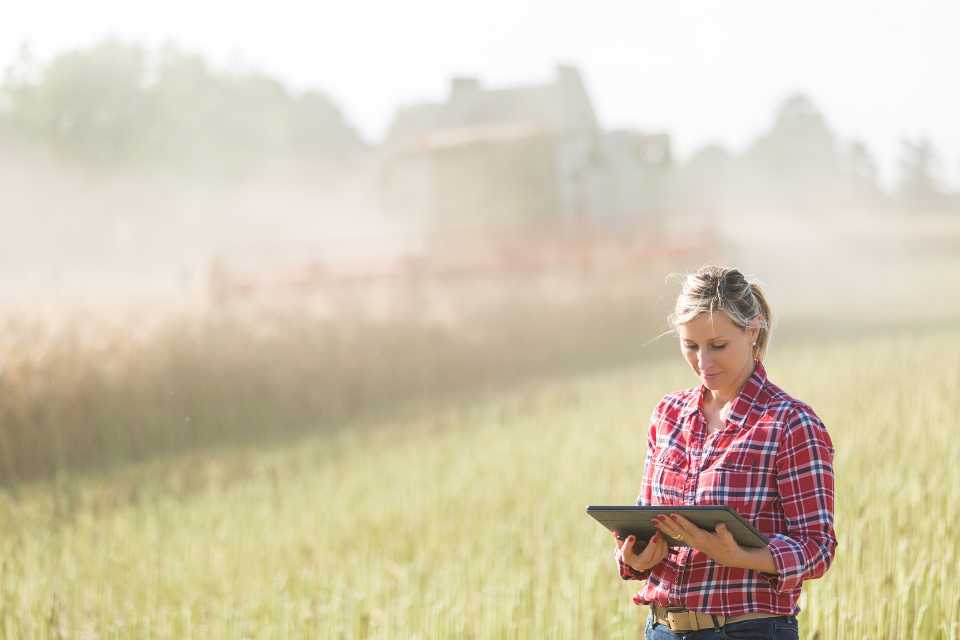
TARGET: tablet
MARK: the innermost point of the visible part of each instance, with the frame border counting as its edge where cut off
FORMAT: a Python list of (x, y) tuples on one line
[(637, 521)]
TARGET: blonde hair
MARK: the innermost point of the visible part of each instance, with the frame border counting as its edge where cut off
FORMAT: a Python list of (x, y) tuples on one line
[(712, 288)]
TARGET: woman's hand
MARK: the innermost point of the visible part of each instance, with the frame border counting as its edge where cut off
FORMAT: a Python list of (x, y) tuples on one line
[(719, 547), (655, 551)]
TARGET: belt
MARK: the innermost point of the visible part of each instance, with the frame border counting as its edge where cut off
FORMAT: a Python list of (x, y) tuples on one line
[(678, 619)]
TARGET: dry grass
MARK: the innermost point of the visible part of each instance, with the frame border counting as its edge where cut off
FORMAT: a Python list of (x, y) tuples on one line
[(89, 392)]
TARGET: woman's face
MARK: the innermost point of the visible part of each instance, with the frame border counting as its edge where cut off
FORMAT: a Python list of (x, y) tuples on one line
[(718, 351)]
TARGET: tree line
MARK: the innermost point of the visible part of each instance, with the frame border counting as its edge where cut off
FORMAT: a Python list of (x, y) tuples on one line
[(800, 163), (116, 104)]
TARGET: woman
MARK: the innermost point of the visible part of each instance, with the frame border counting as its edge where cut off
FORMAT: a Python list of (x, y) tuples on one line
[(740, 440)]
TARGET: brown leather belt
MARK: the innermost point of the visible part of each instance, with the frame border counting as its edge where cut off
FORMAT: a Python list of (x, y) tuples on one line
[(686, 620)]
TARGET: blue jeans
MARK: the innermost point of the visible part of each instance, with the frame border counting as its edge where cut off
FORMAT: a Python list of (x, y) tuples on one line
[(778, 628)]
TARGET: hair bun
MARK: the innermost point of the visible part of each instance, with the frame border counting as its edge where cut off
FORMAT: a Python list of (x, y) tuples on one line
[(716, 288)]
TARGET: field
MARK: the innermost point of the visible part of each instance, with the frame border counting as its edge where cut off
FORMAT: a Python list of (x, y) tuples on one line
[(466, 518), (262, 378)]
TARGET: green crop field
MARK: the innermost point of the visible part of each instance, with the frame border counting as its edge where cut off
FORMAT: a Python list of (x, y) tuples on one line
[(466, 519)]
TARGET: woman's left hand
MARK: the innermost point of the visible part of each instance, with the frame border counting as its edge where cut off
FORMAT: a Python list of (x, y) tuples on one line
[(719, 547)]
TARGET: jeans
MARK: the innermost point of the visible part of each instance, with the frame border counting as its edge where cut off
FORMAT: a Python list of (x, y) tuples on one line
[(778, 628)]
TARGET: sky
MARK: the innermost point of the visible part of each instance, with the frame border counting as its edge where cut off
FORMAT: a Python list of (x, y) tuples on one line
[(705, 72)]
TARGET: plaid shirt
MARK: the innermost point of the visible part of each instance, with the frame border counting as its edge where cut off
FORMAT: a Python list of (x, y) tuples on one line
[(772, 462)]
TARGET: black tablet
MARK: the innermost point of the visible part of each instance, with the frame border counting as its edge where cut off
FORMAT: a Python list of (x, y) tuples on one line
[(637, 521)]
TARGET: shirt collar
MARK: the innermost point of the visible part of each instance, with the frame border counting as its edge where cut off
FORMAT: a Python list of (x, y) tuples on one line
[(748, 394)]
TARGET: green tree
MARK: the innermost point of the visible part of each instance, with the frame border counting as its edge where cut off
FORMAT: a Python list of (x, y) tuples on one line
[(239, 122), (89, 104), (919, 184), (800, 162), (796, 162), (115, 105)]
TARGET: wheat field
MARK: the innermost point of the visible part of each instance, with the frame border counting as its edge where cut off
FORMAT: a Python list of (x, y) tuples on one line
[(466, 519)]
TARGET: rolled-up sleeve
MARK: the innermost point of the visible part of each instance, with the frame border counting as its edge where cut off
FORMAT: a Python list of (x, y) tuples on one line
[(644, 496), (805, 482)]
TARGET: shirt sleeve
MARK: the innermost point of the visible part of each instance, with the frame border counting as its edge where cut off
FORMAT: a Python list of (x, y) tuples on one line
[(805, 482), (643, 498)]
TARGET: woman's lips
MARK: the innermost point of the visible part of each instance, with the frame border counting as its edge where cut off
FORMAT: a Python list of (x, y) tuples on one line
[(710, 375)]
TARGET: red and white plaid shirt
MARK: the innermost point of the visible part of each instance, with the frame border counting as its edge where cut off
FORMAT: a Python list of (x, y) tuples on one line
[(772, 462)]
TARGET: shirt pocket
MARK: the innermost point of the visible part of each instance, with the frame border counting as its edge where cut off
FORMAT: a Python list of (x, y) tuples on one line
[(742, 479), (744, 458), (669, 475)]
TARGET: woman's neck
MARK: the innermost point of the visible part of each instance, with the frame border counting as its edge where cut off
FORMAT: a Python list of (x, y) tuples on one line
[(723, 396)]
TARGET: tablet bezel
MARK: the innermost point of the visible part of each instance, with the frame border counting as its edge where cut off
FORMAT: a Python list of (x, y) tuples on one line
[(704, 516)]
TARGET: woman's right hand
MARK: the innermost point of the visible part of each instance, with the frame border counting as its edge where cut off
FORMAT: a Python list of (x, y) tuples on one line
[(654, 552)]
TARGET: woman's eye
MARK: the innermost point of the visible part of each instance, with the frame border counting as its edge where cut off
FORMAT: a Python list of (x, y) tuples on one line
[(719, 346)]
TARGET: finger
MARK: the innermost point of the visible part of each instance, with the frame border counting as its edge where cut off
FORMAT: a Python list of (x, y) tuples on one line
[(662, 550), (668, 527), (724, 533), (676, 534), (649, 551), (654, 539), (687, 528), (662, 541), (684, 524)]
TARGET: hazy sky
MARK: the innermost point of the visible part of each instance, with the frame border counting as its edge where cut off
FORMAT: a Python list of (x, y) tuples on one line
[(703, 71)]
